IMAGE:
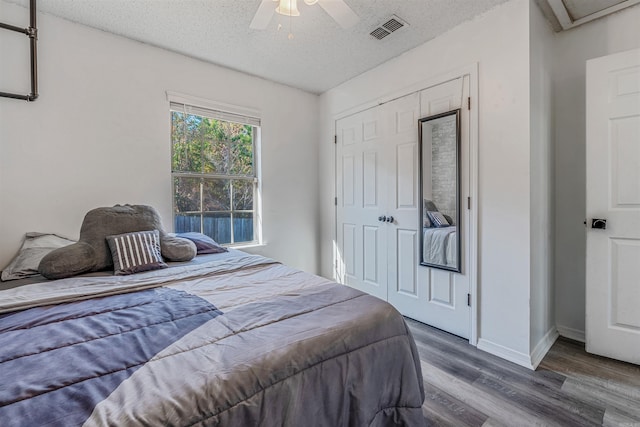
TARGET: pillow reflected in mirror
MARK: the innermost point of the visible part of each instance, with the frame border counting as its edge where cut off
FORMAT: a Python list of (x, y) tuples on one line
[(437, 219)]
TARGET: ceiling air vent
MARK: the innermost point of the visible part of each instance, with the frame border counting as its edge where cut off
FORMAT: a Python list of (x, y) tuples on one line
[(380, 33), (393, 24)]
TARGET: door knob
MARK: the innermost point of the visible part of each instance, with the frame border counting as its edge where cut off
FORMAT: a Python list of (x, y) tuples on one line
[(382, 218), (389, 219), (599, 223)]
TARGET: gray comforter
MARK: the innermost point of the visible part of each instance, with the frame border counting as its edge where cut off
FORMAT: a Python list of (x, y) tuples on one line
[(231, 340), (439, 246)]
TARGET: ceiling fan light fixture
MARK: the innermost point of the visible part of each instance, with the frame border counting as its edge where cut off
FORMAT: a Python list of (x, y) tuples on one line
[(288, 8), (336, 9)]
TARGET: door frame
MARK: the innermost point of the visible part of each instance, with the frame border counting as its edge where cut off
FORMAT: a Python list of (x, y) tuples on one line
[(472, 71)]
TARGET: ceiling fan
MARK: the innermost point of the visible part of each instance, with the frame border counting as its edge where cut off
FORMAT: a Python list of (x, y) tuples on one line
[(337, 9)]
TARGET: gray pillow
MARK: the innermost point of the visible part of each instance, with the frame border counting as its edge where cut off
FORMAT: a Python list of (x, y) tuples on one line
[(135, 252), (429, 205), (426, 221), (204, 243), (34, 248)]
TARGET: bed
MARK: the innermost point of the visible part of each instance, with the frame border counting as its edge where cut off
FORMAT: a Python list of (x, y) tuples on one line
[(229, 339), (440, 245)]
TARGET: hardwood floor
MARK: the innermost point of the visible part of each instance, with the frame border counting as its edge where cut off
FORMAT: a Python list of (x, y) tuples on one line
[(468, 387)]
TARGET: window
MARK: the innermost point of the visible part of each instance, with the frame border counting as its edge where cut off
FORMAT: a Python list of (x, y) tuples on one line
[(214, 173)]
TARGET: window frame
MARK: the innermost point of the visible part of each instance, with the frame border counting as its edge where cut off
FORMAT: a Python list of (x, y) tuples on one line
[(220, 112)]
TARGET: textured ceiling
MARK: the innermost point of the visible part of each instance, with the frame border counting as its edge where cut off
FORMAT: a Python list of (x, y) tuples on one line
[(320, 56)]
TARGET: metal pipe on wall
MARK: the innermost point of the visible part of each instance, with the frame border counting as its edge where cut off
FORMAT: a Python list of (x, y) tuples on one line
[(32, 33)]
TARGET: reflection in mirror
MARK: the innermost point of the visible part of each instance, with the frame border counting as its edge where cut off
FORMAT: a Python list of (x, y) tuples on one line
[(440, 187)]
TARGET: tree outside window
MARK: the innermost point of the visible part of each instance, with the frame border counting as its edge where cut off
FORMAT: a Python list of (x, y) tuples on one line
[(214, 177)]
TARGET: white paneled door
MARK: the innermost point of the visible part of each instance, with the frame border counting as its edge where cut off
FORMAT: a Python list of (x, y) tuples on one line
[(403, 204), (613, 194), (444, 301), (362, 182), (377, 214), (379, 209)]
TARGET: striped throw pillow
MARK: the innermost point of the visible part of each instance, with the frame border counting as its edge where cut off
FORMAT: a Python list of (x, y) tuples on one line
[(135, 252), (437, 219)]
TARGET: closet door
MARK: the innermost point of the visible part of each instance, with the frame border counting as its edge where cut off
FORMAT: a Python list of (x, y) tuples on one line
[(403, 203), (361, 181), (442, 295), (379, 218)]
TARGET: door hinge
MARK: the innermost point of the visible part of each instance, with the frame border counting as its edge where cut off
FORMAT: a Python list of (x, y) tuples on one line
[(335, 201), (469, 203), (469, 103), (335, 139), (469, 300)]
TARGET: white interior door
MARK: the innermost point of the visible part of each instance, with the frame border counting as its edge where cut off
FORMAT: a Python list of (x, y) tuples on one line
[(361, 181), (442, 295), (613, 193), (403, 203), (378, 200)]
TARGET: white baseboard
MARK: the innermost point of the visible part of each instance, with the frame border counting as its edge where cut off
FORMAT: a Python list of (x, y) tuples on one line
[(528, 361), (543, 346), (573, 334), (506, 353)]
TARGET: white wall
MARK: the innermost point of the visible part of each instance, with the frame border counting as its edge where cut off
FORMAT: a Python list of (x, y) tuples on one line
[(541, 39), (99, 135), (499, 42), (615, 33)]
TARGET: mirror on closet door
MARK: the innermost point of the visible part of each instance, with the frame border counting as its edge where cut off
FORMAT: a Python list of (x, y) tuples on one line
[(440, 189)]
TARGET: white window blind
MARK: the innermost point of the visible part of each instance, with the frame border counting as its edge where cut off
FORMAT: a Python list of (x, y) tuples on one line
[(214, 114)]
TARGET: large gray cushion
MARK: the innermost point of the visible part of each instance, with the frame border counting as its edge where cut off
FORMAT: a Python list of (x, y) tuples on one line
[(92, 252)]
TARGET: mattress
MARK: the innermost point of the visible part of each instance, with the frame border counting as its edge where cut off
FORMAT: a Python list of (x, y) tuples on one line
[(229, 339)]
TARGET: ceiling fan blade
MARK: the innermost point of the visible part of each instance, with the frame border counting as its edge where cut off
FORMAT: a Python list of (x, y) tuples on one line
[(263, 15), (339, 11)]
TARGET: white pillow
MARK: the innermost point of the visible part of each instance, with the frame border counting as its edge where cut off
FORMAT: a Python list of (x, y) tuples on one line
[(34, 248)]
